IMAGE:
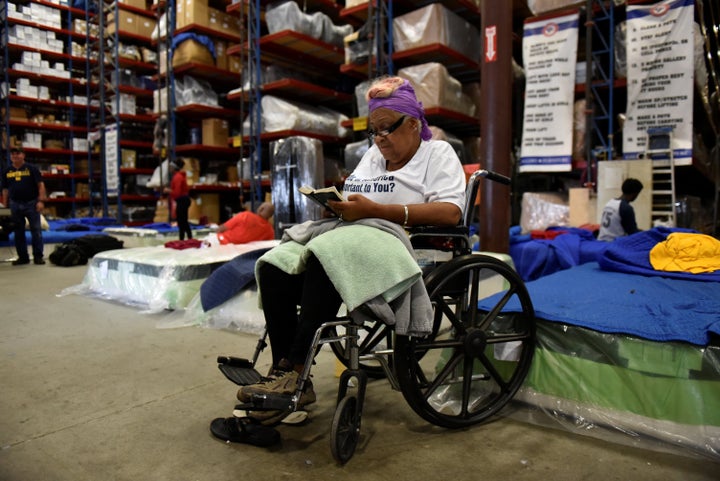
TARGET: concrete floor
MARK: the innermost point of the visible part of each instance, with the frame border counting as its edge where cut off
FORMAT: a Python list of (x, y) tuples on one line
[(93, 390)]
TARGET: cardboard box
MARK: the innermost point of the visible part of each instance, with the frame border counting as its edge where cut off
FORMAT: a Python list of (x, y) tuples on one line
[(215, 132), (222, 22), (82, 191), (129, 158), (53, 144), (127, 22), (18, 113), (191, 51), (141, 4), (221, 59), (208, 206), (145, 26), (234, 64), (81, 166), (192, 12), (191, 166)]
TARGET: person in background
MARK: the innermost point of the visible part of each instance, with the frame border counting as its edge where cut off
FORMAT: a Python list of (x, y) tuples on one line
[(618, 216), (24, 189), (248, 226), (180, 195)]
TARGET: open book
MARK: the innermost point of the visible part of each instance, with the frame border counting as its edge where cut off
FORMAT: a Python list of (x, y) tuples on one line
[(321, 196)]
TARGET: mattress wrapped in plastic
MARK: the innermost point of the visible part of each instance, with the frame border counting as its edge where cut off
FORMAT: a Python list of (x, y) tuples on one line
[(156, 278), (432, 24), (288, 16), (435, 87), (279, 114), (542, 6)]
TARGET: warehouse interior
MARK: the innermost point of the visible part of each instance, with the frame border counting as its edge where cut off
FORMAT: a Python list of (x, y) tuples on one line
[(564, 98)]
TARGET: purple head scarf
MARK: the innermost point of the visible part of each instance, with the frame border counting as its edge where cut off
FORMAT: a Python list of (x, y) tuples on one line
[(403, 100)]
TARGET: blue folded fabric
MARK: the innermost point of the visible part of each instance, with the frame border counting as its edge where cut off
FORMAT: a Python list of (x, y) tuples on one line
[(229, 279), (631, 254)]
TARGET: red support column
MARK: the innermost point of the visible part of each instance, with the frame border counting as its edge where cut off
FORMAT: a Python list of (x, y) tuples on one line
[(495, 123)]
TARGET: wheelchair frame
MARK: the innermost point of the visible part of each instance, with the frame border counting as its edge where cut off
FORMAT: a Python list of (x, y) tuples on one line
[(463, 373)]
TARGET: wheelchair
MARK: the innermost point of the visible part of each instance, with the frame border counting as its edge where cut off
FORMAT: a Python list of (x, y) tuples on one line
[(461, 374)]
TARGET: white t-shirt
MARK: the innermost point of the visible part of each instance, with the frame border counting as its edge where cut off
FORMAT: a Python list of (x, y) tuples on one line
[(434, 174)]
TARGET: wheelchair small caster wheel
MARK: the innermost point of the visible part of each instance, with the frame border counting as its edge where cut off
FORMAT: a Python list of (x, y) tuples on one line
[(345, 433)]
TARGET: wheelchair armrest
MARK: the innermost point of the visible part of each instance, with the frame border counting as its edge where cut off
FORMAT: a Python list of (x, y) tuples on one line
[(457, 230), (444, 238)]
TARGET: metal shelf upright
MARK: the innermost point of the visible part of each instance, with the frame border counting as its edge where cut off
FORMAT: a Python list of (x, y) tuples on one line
[(600, 61), (5, 87)]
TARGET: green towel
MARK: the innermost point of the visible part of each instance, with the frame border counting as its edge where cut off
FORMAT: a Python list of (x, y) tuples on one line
[(364, 262), (361, 261)]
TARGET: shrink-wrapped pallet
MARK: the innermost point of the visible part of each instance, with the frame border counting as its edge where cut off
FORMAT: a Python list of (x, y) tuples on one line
[(294, 162), (288, 16), (435, 87), (432, 24), (279, 114)]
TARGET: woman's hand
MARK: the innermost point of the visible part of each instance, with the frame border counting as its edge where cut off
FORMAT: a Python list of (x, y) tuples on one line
[(356, 207)]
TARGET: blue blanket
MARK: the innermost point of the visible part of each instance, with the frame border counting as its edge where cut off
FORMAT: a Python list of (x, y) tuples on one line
[(64, 230), (654, 308), (631, 254), (229, 279), (535, 258)]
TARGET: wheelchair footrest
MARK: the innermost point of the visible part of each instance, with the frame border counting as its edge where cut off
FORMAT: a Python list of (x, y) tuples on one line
[(267, 402), (239, 371)]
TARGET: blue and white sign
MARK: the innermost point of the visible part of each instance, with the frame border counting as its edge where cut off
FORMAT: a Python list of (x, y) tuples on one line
[(112, 170), (549, 57), (660, 51)]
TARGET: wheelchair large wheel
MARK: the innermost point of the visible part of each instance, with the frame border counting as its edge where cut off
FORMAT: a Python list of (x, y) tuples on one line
[(374, 336), (475, 362)]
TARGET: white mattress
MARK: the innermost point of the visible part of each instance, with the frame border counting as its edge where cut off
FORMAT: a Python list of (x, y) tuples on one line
[(157, 278)]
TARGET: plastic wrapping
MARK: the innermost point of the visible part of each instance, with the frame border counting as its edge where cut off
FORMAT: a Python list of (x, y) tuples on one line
[(359, 45), (435, 23), (457, 144), (579, 122), (435, 87), (279, 114), (189, 90), (241, 313), (288, 16), (541, 210), (354, 152), (360, 101), (155, 278), (620, 50), (295, 161), (663, 396), (541, 6)]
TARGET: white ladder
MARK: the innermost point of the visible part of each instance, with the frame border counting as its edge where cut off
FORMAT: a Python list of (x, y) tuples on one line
[(659, 150)]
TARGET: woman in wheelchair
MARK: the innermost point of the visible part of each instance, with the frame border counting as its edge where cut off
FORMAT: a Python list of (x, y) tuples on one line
[(405, 179)]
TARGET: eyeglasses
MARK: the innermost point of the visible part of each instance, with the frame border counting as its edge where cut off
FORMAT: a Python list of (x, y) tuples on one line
[(384, 133)]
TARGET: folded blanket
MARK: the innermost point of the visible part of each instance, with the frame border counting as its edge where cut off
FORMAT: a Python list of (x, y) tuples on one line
[(229, 279), (631, 254), (371, 264), (686, 252)]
